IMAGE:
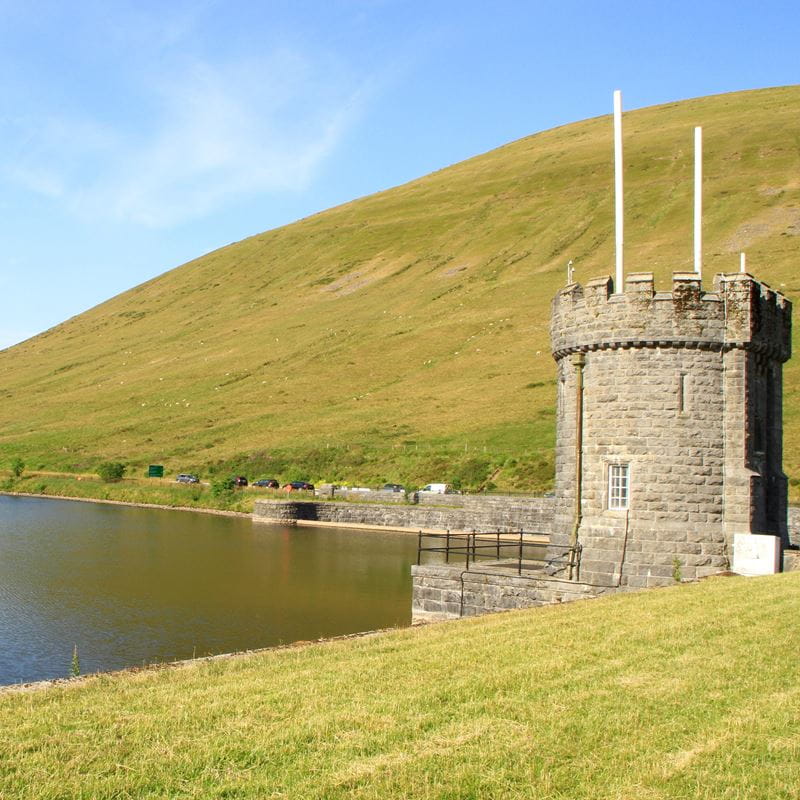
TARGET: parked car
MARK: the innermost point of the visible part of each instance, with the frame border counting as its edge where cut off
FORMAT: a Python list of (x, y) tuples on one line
[(439, 488), (240, 480), (298, 486), (393, 487), (267, 483), (185, 477)]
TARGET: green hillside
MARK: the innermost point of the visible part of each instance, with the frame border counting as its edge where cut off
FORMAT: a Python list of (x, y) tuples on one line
[(405, 335)]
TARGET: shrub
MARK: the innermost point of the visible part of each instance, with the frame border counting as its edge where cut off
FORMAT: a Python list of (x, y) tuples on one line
[(223, 488), (17, 467), (111, 471), (470, 473)]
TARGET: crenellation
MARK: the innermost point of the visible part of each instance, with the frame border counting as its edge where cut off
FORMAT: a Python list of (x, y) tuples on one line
[(687, 316)]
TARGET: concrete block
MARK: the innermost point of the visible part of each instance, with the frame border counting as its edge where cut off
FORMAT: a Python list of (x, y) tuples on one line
[(756, 554)]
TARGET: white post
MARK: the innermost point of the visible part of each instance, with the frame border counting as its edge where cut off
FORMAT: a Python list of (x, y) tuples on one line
[(742, 267), (698, 201), (618, 283)]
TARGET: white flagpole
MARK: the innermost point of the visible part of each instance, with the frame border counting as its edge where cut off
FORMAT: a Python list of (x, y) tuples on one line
[(618, 228), (698, 201)]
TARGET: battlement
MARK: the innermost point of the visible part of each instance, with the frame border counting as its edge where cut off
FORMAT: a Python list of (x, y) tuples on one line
[(741, 312)]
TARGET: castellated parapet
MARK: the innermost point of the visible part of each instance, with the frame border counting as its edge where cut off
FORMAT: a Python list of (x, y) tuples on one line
[(669, 424)]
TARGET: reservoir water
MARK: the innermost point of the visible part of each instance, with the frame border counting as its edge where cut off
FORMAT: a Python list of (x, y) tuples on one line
[(132, 586)]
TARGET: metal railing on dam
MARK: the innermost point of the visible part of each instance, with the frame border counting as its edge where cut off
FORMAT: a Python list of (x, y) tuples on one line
[(516, 551)]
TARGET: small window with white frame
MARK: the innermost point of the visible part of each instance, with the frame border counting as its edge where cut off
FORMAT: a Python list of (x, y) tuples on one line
[(619, 486)]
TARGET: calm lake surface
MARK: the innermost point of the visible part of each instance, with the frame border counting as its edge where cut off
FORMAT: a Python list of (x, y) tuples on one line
[(132, 586)]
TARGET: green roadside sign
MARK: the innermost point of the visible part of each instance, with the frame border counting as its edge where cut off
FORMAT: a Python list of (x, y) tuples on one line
[(155, 471)]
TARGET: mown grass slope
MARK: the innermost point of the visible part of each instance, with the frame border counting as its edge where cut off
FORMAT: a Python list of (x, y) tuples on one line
[(405, 335), (674, 693)]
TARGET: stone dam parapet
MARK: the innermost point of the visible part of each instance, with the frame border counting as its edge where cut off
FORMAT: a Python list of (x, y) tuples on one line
[(478, 513)]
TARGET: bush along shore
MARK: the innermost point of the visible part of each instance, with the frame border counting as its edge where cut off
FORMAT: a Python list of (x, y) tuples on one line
[(136, 491), (680, 692)]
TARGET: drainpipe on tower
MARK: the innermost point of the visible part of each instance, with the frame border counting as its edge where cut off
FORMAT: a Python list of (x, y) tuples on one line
[(579, 361)]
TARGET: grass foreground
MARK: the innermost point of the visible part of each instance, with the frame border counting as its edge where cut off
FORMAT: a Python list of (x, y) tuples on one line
[(683, 692)]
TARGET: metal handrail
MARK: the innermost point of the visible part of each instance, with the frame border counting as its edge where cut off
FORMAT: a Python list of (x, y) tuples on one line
[(474, 545)]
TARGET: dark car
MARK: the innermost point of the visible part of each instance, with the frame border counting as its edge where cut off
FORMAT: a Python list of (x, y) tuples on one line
[(268, 483), (393, 487), (298, 486), (240, 480), (185, 477)]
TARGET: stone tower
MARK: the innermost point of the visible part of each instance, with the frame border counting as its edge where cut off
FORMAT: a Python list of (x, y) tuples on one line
[(669, 426)]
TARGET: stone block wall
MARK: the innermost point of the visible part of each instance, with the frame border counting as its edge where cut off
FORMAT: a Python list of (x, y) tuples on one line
[(794, 526), (446, 592), (431, 499), (483, 514)]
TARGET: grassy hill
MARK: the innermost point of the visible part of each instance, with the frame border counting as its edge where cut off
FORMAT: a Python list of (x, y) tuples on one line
[(675, 693), (404, 336)]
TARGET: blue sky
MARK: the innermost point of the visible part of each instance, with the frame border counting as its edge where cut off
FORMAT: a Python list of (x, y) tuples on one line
[(137, 136)]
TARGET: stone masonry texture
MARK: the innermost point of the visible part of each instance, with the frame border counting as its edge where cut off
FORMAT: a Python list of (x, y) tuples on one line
[(478, 513), (683, 387), (448, 592)]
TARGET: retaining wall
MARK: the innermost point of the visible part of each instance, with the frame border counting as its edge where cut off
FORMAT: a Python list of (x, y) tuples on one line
[(483, 514), (444, 592)]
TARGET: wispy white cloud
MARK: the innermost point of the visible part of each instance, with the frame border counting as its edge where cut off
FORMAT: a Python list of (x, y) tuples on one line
[(256, 126), (196, 134)]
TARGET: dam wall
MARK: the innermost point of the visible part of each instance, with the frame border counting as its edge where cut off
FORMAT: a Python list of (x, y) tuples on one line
[(505, 513)]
